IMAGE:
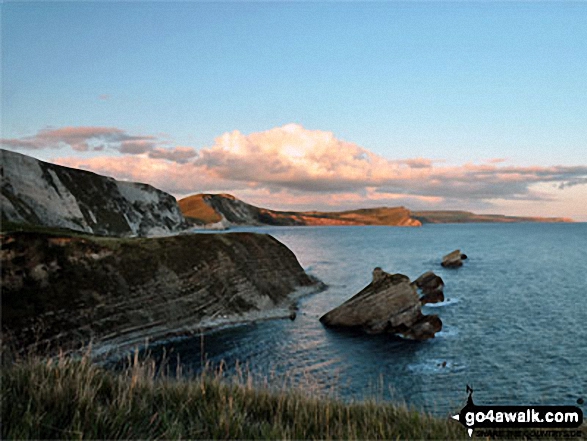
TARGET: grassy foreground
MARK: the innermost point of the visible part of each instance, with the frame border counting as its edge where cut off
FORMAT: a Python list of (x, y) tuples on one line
[(68, 398)]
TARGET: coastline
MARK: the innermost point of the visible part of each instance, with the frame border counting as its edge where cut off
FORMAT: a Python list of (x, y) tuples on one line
[(114, 349), (65, 292)]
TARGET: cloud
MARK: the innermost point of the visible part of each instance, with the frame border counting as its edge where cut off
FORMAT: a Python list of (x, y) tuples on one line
[(136, 147), (294, 167), (80, 139), (314, 161), (99, 139), (178, 154), (176, 178)]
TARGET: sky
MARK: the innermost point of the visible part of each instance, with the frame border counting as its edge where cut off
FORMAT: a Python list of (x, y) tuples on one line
[(478, 106)]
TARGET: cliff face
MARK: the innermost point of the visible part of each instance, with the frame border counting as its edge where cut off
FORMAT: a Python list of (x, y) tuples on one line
[(38, 193), (65, 291), (227, 210)]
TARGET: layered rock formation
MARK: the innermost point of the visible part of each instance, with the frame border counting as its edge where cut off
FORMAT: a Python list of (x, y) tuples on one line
[(388, 304), (38, 193), (226, 210), (65, 291)]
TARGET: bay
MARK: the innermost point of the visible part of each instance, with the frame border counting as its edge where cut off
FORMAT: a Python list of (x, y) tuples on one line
[(514, 322)]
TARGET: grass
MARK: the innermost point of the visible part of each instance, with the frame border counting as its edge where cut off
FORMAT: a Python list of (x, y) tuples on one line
[(67, 398)]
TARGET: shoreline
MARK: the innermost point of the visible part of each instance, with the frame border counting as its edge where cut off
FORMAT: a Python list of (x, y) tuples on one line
[(109, 350)]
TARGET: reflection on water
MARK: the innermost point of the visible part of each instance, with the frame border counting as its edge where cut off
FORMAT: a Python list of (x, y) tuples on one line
[(515, 322)]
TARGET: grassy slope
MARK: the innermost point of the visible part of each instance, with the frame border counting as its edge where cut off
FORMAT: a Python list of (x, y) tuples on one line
[(65, 399), (75, 399), (196, 209)]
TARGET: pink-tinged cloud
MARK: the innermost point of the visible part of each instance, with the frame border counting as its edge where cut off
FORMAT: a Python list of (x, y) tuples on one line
[(314, 161), (77, 138), (98, 139), (305, 169), (174, 177)]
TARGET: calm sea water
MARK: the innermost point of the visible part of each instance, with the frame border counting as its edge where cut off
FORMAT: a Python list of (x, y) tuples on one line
[(515, 323)]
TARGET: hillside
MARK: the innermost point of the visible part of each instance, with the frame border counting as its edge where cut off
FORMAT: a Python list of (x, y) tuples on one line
[(456, 217), (226, 210), (37, 193)]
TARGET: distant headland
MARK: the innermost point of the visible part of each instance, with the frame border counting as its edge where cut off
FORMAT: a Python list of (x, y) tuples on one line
[(225, 210)]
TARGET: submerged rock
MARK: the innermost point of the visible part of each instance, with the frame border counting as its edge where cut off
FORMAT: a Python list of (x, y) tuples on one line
[(454, 259), (388, 304)]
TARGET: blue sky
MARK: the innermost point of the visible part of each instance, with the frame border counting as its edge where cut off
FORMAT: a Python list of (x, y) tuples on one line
[(455, 83)]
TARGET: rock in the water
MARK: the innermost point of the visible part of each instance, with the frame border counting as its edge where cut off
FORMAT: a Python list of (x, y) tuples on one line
[(429, 282), (431, 286), (435, 296), (388, 304), (453, 260)]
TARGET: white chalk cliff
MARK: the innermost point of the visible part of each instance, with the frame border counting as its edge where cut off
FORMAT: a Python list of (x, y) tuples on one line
[(39, 193)]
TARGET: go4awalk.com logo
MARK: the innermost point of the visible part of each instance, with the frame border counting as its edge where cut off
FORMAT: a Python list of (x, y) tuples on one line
[(517, 417)]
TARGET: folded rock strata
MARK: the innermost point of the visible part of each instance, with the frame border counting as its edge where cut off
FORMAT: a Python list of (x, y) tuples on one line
[(65, 291), (388, 304)]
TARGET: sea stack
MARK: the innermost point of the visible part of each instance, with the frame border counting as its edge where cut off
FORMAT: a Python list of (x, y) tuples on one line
[(389, 304), (454, 259), (431, 287)]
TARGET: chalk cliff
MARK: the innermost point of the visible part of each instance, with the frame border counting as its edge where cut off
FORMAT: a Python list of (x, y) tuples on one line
[(38, 193)]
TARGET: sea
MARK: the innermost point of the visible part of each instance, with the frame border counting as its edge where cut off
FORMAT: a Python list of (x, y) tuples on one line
[(514, 319)]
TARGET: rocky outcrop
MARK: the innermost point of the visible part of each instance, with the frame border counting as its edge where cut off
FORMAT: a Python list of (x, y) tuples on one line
[(431, 286), (226, 210), (65, 291), (453, 259), (38, 193), (388, 304)]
